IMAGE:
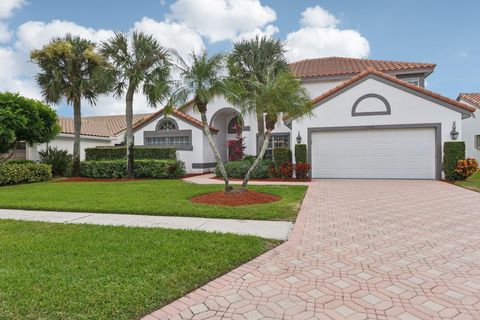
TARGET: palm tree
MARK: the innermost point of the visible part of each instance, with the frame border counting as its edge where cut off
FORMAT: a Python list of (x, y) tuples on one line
[(251, 61), (69, 68), (203, 80), (278, 94), (140, 63)]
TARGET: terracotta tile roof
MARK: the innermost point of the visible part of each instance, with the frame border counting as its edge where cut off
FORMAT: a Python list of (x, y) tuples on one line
[(369, 71), (335, 66), (473, 98), (108, 126)]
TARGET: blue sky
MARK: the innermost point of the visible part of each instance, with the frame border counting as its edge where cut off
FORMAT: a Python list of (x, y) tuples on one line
[(438, 31)]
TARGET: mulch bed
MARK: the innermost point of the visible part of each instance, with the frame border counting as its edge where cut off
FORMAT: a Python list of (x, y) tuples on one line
[(239, 197), (81, 179), (268, 179)]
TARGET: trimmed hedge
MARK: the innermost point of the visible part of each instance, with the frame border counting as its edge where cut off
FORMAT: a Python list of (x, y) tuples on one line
[(301, 153), (120, 153), (282, 155), (20, 161), (24, 173), (116, 169), (238, 169), (453, 151)]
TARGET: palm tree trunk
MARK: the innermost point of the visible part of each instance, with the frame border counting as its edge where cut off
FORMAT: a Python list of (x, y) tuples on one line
[(261, 131), (216, 153), (129, 132), (77, 124), (266, 139)]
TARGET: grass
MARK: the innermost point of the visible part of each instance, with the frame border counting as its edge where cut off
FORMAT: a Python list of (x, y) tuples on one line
[(56, 271), (472, 183), (149, 197)]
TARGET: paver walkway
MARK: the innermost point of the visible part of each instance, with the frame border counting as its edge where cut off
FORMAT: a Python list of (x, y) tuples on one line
[(360, 249), (266, 229), (208, 179)]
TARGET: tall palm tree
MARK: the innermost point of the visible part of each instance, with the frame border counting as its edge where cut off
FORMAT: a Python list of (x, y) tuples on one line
[(203, 80), (254, 61), (278, 94), (139, 63), (69, 70)]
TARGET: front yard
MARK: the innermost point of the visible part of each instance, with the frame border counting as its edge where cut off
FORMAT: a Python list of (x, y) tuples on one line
[(150, 197), (472, 182), (55, 271)]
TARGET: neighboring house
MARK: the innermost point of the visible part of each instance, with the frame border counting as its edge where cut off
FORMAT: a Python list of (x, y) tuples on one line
[(471, 126), (370, 119)]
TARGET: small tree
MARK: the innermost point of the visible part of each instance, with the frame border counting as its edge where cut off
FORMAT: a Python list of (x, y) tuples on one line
[(279, 94), (24, 120), (140, 63), (203, 80), (70, 70)]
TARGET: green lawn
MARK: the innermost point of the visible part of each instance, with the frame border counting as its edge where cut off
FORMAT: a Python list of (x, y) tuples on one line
[(472, 183), (151, 197), (56, 271)]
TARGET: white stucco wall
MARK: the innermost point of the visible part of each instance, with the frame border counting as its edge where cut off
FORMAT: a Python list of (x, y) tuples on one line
[(406, 108), (471, 128)]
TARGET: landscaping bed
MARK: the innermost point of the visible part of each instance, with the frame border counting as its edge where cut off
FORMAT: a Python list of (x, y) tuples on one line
[(83, 179), (239, 197), (149, 197), (57, 271), (472, 183)]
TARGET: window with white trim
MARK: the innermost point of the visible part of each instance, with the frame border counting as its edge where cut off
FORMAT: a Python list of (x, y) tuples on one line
[(477, 141), (167, 124), (277, 141), (414, 80), (168, 141)]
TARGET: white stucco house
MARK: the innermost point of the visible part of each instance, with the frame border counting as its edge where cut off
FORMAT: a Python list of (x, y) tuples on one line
[(370, 119), (471, 125)]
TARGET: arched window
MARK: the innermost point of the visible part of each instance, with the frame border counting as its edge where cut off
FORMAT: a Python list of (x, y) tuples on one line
[(167, 124), (235, 125)]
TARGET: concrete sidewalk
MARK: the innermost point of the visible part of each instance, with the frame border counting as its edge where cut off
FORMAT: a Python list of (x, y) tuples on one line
[(208, 178), (278, 230)]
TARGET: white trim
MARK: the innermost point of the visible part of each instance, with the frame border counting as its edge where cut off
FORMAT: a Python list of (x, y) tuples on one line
[(71, 135)]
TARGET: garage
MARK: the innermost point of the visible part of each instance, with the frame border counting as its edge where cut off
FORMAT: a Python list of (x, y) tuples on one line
[(374, 153)]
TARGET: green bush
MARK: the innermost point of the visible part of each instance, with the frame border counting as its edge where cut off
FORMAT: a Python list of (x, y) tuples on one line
[(24, 173), (453, 151), (120, 153), (115, 169), (238, 169), (60, 160), (20, 161), (282, 155), (300, 153)]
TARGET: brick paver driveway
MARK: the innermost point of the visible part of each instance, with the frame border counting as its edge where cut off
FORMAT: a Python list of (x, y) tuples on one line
[(360, 249)]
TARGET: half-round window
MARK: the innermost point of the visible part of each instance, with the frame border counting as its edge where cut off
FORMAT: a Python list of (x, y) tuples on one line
[(167, 124), (235, 125)]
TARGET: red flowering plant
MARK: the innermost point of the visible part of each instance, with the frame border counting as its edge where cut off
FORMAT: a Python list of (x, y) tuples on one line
[(285, 170), (236, 148), (302, 170), (465, 168)]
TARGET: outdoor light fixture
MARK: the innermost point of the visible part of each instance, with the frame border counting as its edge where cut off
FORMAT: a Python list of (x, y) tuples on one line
[(454, 133), (299, 138)]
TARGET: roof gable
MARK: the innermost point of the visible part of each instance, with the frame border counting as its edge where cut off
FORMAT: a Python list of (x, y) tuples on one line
[(473, 98)]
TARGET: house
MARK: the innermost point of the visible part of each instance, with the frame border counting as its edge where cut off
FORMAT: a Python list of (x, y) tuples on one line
[(471, 126), (370, 119)]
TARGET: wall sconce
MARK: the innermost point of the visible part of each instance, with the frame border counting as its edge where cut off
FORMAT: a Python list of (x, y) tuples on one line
[(299, 138), (454, 133)]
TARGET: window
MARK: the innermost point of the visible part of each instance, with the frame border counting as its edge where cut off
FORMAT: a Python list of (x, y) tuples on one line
[(277, 141), (415, 81), (477, 141), (167, 124), (168, 141), (234, 125)]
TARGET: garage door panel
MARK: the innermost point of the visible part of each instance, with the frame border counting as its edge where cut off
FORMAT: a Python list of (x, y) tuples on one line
[(379, 153)]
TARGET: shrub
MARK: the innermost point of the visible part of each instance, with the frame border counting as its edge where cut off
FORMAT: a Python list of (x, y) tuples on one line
[(281, 156), (120, 153), (249, 158), (465, 168), (301, 153), (285, 170), (453, 151), (302, 170), (236, 148), (20, 161), (60, 160), (115, 169), (238, 169), (24, 173)]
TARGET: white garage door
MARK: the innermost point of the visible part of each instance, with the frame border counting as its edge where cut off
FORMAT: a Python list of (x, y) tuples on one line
[(377, 153)]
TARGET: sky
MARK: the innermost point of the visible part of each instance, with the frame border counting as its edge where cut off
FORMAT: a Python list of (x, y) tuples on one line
[(444, 32)]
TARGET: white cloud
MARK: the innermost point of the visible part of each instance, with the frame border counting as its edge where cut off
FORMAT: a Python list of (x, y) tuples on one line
[(321, 36), (268, 32), (172, 35), (7, 7), (223, 19), (5, 34)]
